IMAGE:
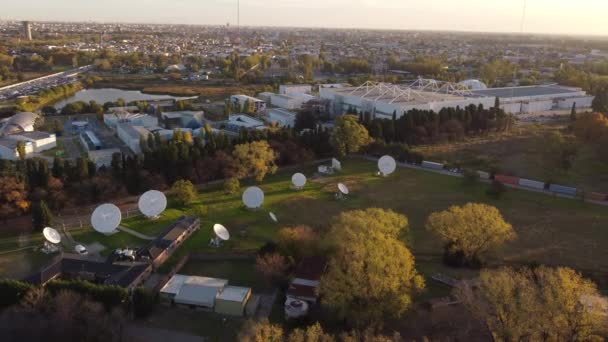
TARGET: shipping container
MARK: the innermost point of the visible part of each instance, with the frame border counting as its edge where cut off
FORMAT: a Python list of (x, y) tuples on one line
[(528, 183), (432, 165), (560, 189), (596, 196), (507, 179), (483, 175)]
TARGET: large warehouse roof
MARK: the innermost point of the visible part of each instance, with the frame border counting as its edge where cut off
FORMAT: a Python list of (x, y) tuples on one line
[(526, 91), (396, 94)]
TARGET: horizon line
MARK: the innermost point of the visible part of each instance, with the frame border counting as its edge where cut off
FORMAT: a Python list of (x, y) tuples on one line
[(554, 34)]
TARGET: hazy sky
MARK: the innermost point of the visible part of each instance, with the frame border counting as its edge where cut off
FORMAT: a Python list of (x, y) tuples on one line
[(543, 16)]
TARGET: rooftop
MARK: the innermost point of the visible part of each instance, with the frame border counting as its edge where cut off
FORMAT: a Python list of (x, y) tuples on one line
[(552, 90), (234, 293), (36, 135)]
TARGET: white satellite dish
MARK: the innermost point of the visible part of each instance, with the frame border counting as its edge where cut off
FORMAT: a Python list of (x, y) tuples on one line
[(343, 188), (221, 232), (336, 165), (152, 203), (387, 165), (51, 235), (253, 197), (298, 180), (106, 218), (273, 216)]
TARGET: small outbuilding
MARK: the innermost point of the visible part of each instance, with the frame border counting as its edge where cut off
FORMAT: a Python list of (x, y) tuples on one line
[(232, 300)]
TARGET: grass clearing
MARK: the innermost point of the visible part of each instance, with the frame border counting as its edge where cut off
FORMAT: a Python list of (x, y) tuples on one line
[(550, 230), (521, 153)]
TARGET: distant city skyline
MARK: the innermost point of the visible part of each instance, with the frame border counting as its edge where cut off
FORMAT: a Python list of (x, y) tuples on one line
[(583, 17)]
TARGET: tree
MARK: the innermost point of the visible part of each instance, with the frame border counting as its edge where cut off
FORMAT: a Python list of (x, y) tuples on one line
[(541, 304), (13, 197), (260, 331), (254, 159), (298, 242), (57, 127), (591, 127), (573, 112), (312, 333), (470, 231), (21, 150), (272, 266), (144, 302), (349, 136), (600, 102), (41, 216), (65, 316), (184, 192), (371, 273), (559, 153), (231, 185)]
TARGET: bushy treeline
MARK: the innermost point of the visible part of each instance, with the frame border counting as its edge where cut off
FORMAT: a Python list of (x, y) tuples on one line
[(423, 126)]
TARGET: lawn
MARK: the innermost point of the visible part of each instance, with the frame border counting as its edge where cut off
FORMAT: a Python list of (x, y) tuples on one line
[(520, 153), (550, 230)]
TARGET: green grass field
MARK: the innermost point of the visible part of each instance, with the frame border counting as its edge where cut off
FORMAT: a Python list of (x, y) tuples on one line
[(550, 230)]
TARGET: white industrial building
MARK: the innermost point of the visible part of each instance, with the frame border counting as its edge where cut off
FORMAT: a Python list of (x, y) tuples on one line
[(282, 117), (237, 122), (8, 149), (206, 294), (40, 141), (534, 99), (295, 89), (290, 101), (382, 100), (238, 101), (113, 119), (131, 135)]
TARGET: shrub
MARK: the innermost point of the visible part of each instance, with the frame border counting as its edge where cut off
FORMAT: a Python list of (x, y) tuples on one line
[(184, 193), (231, 185), (471, 177), (496, 190), (11, 291), (144, 302)]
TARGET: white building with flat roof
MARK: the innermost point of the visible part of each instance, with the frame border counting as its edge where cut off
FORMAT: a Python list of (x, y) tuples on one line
[(8, 149), (238, 101), (295, 88), (144, 120), (382, 100), (192, 291), (41, 141), (237, 122), (282, 117)]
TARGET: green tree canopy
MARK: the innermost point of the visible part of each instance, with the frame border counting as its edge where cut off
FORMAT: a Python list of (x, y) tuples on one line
[(370, 274), (349, 135), (184, 192), (254, 159), (472, 229)]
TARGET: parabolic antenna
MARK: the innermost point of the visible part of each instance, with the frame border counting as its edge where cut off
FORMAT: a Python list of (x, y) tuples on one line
[(273, 216), (387, 165), (51, 235), (152, 203), (343, 188), (106, 218), (221, 232), (253, 197), (298, 180)]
